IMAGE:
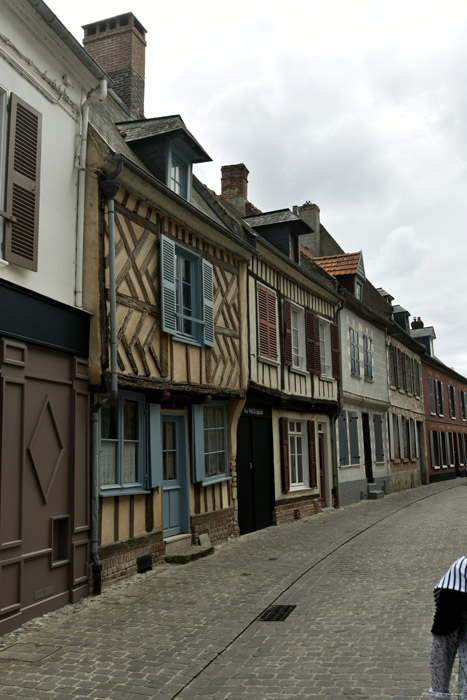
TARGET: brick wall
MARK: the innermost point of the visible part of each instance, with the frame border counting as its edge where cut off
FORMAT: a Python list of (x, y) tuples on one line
[(220, 525), (294, 509)]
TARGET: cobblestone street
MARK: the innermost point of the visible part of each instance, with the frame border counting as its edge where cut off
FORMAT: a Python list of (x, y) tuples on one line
[(361, 579)]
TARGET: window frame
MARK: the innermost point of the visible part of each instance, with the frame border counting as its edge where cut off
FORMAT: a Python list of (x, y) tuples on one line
[(368, 358), (140, 485), (326, 366), (171, 256), (293, 436), (300, 350), (198, 440), (354, 353), (178, 157)]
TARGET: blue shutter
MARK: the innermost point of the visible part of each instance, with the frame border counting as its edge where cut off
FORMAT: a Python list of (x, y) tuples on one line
[(377, 421), (168, 286), (343, 440), (155, 445), (353, 435), (199, 469), (208, 303)]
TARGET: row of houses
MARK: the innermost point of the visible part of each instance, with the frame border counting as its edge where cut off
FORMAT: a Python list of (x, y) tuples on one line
[(176, 362)]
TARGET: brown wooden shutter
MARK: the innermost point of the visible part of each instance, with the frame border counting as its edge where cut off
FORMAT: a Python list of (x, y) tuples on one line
[(313, 359), (284, 440), (400, 377), (22, 188), (391, 365), (336, 365), (312, 454), (287, 325), (267, 323)]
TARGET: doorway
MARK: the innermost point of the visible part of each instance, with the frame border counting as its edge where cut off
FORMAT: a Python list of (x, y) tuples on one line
[(175, 513), (367, 448), (255, 473)]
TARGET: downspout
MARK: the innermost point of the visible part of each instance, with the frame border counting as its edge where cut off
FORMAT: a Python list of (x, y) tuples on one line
[(110, 188), (97, 95), (335, 414)]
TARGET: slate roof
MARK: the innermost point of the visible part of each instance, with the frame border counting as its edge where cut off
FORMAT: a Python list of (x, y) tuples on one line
[(338, 265), (140, 129), (280, 216)]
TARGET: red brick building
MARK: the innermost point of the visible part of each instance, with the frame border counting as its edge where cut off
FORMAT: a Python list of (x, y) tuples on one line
[(445, 396)]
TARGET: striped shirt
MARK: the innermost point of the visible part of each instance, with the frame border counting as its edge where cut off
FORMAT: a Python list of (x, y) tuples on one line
[(455, 579)]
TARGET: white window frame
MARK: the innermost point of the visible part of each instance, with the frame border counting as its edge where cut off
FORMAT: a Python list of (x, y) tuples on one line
[(354, 353), (298, 449), (325, 352), (298, 337), (368, 358)]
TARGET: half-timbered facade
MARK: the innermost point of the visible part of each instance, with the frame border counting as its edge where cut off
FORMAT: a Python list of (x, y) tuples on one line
[(168, 350), (285, 446)]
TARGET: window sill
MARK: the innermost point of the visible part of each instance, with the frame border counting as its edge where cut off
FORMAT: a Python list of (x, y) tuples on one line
[(298, 370), (268, 361), (215, 480), (327, 379), (187, 340), (355, 376), (369, 380), (112, 492)]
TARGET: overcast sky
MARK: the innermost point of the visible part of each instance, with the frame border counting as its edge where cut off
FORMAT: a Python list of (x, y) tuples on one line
[(359, 106)]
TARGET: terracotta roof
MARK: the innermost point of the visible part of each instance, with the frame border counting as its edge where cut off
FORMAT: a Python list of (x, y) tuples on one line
[(338, 265)]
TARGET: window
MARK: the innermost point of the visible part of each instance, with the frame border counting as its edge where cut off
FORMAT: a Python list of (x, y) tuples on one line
[(452, 401), (439, 397), (368, 357), (395, 436), (179, 170), (348, 438), (20, 171), (298, 454), (267, 323), (431, 396), (187, 294), (121, 446), (298, 457), (295, 354), (325, 349), (354, 353), (462, 405), (358, 290), (210, 443), (435, 449)]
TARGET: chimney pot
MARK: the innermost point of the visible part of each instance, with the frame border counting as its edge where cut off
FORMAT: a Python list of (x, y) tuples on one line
[(417, 323)]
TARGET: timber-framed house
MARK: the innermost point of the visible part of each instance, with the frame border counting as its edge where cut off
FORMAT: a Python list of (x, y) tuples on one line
[(168, 351), (284, 465)]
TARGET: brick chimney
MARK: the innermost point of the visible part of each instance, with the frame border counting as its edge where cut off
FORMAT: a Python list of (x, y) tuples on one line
[(118, 45), (235, 186), (417, 323), (309, 213)]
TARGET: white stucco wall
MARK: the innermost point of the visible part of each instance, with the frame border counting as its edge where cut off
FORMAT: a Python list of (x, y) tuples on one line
[(44, 60)]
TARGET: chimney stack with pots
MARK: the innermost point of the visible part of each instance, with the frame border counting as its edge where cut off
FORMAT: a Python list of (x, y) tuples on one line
[(417, 323), (235, 186), (118, 45)]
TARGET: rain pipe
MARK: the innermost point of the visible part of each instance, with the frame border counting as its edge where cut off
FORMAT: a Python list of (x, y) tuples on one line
[(335, 414), (97, 95), (110, 188)]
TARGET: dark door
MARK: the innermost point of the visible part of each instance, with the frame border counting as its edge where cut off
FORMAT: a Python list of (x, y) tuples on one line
[(367, 448), (44, 481), (255, 474)]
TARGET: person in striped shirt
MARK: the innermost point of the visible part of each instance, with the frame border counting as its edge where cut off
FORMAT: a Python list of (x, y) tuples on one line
[(449, 631)]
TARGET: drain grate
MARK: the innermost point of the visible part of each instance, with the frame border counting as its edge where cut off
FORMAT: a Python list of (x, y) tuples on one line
[(276, 613)]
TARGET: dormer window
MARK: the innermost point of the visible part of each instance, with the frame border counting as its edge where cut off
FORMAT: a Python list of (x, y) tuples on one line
[(179, 169), (358, 290)]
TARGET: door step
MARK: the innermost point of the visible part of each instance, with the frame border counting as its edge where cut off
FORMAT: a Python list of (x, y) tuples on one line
[(179, 550), (374, 493)]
